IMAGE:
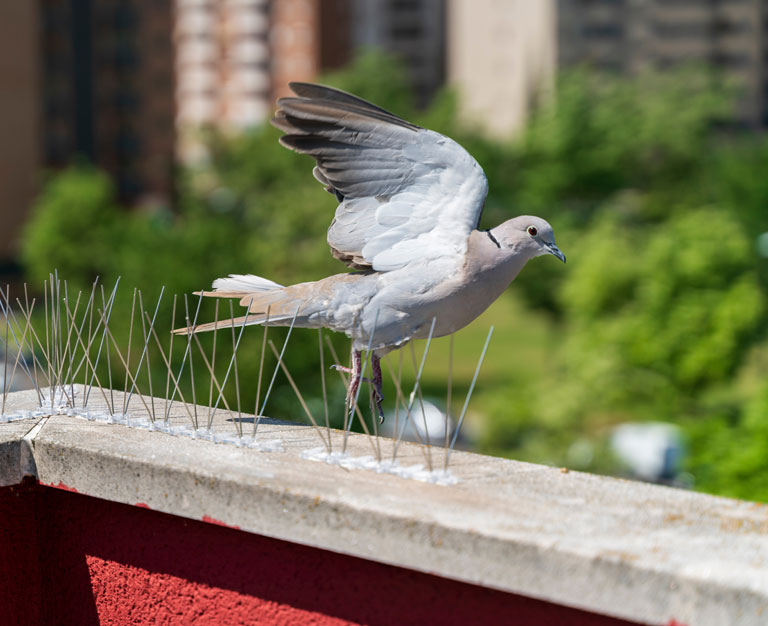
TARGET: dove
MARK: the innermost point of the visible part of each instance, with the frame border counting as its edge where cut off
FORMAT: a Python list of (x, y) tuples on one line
[(410, 202)]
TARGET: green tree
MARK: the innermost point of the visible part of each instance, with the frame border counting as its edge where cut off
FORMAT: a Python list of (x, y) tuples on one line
[(73, 227)]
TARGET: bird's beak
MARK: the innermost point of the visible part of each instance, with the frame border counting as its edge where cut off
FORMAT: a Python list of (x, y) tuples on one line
[(555, 251)]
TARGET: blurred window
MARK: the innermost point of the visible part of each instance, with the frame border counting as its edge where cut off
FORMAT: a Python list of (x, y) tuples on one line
[(405, 5), (683, 29), (726, 27), (603, 31), (125, 18), (407, 31), (732, 59), (125, 55), (126, 101), (613, 66)]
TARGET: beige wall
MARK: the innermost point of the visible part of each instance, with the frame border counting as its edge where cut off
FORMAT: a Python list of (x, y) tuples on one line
[(19, 118), (501, 57)]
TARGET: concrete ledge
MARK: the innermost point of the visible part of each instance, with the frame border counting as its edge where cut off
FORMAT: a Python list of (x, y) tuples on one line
[(639, 552)]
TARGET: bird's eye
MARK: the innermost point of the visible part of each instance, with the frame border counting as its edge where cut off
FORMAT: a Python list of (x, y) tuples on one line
[(532, 231)]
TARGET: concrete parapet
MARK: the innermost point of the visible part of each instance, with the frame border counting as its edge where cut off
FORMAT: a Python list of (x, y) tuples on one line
[(614, 548)]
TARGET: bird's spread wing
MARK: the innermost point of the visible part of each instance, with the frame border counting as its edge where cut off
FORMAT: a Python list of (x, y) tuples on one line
[(406, 193)]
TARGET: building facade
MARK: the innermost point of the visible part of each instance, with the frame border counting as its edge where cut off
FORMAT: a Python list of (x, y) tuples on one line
[(20, 149), (84, 80), (106, 91), (627, 36)]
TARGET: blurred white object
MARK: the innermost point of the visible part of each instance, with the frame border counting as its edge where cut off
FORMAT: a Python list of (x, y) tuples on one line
[(431, 421), (19, 377), (762, 245), (651, 450)]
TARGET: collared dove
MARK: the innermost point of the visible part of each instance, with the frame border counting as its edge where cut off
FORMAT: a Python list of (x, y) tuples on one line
[(410, 201)]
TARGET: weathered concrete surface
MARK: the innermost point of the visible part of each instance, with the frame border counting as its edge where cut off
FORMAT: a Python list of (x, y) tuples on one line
[(640, 552), (11, 464), (14, 457)]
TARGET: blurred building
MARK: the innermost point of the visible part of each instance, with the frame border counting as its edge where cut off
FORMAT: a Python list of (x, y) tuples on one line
[(84, 79), (630, 35), (234, 58), (20, 149), (501, 58), (414, 30), (106, 90), (222, 67)]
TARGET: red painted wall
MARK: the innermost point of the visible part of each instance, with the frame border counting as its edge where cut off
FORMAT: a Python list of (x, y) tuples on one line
[(73, 559)]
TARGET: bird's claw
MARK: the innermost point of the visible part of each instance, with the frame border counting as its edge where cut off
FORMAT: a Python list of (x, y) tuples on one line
[(346, 370), (378, 398)]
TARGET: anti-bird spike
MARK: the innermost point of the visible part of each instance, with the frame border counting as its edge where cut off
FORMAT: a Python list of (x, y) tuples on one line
[(78, 330)]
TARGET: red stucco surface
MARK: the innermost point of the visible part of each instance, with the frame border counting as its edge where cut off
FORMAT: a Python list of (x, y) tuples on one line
[(72, 559)]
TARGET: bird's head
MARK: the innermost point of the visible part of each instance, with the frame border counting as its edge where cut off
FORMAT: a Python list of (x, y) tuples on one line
[(527, 235)]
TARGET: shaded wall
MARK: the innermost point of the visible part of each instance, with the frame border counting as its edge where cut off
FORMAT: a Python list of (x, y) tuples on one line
[(19, 118), (105, 563)]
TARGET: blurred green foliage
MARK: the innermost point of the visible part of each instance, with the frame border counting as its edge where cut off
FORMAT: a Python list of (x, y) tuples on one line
[(659, 315)]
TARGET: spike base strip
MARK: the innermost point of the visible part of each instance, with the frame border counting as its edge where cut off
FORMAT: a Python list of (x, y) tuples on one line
[(301, 398), (411, 472)]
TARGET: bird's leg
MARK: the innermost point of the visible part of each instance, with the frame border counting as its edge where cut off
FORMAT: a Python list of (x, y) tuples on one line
[(349, 370), (377, 382), (354, 379)]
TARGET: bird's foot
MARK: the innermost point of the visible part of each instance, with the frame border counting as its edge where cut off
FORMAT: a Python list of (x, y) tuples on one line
[(378, 399), (377, 384), (347, 370)]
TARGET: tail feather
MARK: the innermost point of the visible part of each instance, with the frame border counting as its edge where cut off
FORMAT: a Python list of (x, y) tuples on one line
[(266, 300), (219, 294), (238, 322), (200, 328), (244, 283)]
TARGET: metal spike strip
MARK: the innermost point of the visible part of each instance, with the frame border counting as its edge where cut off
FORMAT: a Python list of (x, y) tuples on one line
[(6, 350), (192, 379), (7, 310), (257, 421), (213, 361), (69, 344), (324, 388), (105, 324), (466, 401), (134, 386), (233, 360), (304, 406), (27, 312), (256, 412), (416, 387)]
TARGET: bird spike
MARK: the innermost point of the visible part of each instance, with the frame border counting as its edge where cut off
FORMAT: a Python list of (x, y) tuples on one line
[(67, 346)]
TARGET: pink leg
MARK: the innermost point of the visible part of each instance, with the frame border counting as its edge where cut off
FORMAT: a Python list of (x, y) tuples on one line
[(377, 382), (354, 379)]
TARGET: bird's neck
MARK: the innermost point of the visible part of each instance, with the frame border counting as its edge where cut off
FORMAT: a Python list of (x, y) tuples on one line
[(490, 262)]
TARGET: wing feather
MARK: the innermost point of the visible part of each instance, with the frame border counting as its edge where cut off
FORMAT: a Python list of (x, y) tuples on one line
[(406, 194)]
